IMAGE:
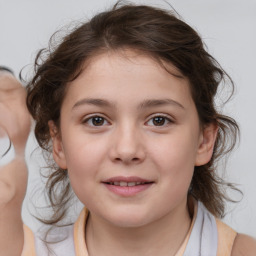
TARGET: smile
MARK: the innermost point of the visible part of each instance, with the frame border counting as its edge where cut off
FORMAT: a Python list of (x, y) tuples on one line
[(127, 186)]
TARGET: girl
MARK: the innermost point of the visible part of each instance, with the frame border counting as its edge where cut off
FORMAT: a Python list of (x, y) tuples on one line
[(125, 105)]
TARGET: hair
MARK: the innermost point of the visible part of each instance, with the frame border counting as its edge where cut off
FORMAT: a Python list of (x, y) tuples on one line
[(4, 68), (158, 34)]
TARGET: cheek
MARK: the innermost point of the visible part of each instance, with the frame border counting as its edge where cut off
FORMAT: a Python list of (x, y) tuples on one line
[(175, 149), (84, 157), (175, 158), (84, 151)]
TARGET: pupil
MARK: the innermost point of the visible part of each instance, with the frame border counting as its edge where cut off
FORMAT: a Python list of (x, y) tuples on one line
[(158, 121), (97, 121)]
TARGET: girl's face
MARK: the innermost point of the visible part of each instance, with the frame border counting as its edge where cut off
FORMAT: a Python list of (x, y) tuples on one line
[(130, 138)]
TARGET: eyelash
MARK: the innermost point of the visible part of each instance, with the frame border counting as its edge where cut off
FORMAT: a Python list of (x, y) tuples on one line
[(86, 121), (167, 120)]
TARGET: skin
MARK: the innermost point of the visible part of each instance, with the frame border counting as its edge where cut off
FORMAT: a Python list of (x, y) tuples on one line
[(15, 120), (244, 245), (128, 143), (107, 230)]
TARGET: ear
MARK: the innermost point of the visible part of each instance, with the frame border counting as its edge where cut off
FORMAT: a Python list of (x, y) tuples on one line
[(57, 147), (206, 144)]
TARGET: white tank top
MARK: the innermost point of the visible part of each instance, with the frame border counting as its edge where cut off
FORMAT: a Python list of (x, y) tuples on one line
[(207, 236)]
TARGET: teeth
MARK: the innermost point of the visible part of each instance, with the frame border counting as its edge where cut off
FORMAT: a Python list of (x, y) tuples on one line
[(131, 184), (126, 184), (123, 184)]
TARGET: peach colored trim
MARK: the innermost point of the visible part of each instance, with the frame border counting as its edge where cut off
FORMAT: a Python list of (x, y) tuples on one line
[(226, 237), (184, 244), (79, 234), (29, 242)]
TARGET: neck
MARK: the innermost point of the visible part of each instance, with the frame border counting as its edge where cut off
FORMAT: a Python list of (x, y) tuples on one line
[(162, 237)]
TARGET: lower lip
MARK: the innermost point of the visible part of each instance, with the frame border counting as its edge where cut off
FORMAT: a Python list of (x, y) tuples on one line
[(128, 191)]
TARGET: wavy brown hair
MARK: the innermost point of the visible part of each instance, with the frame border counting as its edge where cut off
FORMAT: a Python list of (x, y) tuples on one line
[(159, 34)]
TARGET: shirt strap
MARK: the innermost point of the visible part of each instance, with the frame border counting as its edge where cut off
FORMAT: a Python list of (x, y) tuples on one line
[(29, 242), (226, 238), (193, 212), (79, 234)]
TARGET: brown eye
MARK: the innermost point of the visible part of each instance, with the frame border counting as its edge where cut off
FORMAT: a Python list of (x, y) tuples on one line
[(96, 121), (159, 121)]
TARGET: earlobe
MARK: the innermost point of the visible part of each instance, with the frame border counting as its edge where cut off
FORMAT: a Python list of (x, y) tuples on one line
[(206, 144), (57, 148)]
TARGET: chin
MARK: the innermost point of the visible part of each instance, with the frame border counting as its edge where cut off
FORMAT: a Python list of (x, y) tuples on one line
[(129, 223), (128, 219)]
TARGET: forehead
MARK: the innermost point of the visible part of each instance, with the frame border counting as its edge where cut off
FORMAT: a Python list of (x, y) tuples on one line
[(129, 57), (128, 73)]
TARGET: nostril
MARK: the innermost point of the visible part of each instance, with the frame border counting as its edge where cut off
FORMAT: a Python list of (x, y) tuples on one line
[(127, 160), (126, 154)]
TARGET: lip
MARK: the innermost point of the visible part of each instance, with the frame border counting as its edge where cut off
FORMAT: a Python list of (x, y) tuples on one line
[(127, 191), (126, 179)]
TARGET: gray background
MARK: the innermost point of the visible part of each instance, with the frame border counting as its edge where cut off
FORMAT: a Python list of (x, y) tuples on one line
[(228, 29)]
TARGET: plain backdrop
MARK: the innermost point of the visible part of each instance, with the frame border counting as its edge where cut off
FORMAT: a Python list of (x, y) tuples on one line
[(228, 27)]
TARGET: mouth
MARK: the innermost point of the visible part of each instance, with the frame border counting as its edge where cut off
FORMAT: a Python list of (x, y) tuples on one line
[(127, 186)]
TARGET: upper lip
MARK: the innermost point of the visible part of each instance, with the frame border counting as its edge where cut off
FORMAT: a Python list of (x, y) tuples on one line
[(126, 179)]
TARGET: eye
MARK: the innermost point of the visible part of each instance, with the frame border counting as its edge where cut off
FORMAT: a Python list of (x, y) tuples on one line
[(159, 121), (96, 121)]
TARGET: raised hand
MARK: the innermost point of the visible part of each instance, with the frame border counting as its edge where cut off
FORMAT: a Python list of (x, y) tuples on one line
[(14, 116), (15, 121)]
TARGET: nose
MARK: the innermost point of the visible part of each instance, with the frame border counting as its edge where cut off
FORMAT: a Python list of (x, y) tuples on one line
[(127, 146)]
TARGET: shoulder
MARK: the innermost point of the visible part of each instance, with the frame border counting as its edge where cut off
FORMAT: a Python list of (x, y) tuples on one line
[(232, 243), (244, 245)]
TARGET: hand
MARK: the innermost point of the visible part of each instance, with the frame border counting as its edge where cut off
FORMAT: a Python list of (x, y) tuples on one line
[(14, 116), (16, 121)]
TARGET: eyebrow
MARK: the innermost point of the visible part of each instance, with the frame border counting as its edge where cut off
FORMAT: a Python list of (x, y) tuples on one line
[(95, 102), (145, 104), (159, 102)]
